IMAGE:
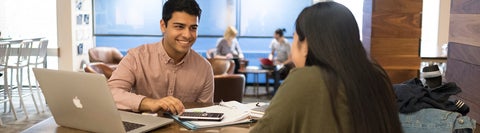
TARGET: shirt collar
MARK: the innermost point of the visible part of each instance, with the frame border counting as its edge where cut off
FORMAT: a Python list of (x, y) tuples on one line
[(167, 59)]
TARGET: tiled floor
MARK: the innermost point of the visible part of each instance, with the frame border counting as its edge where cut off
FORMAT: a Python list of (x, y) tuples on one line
[(14, 126)]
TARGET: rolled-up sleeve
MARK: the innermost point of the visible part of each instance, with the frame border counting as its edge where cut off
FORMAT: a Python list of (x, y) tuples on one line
[(121, 84)]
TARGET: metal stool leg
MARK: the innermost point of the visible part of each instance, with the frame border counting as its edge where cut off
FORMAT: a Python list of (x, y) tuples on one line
[(19, 89), (31, 90)]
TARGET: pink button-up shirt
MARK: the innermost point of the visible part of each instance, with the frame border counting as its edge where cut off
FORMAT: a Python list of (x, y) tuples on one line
[(147, 71)]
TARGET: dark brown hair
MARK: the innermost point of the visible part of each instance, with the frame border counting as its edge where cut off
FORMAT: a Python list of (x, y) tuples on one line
[(280, 31), (334, 45), (189, 6)]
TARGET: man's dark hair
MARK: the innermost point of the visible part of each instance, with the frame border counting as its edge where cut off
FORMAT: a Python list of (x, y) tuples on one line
[(189, 6)]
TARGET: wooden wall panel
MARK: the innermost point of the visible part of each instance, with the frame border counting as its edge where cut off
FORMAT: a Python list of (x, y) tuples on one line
[(466, 76), (399, 62), (465, 7), (394, 32), (465, 29), (465, 53), (396, 25), (463, 61), (400, 75), (395, 46), (406, 6)]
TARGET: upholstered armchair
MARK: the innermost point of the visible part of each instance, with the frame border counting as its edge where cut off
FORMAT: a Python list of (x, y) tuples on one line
[(99, 68), (243, 63), (228, 86), (222, 66), (110, 56)]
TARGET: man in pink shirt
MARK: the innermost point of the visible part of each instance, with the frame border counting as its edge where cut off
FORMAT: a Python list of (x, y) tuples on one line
[(160, 76)]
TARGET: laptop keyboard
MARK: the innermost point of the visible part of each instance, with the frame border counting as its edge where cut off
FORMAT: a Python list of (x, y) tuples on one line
[(131, 126)]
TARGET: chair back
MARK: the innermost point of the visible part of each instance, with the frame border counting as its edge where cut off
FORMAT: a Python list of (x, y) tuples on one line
[(222, 66), (41, 52), (211, 53), (108, 55), (4, 52), (99, 68), (4, 46), (22, 53), (228, 87)]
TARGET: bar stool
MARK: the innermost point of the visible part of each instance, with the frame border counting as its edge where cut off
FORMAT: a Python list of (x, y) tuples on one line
[(5, 90), (19, 60), (39, 55)]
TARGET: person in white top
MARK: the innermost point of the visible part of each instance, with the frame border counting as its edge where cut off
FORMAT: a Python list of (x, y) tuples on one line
[(280, 48)]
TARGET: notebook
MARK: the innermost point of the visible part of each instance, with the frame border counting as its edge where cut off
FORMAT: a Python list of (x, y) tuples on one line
[(83, 101), (234, 113)]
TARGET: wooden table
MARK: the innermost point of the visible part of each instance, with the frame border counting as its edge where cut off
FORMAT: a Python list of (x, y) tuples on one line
[(49, 126)]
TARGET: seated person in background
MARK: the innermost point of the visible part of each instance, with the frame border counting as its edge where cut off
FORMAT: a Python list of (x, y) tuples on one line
[(229, 48), (280, 55), (335, 87), (281, 47), (161, 76)]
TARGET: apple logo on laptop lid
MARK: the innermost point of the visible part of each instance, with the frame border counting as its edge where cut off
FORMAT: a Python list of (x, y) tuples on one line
[(77, 103)]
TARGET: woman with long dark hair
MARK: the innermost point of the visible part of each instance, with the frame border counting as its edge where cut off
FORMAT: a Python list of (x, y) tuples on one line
[(335, 87)]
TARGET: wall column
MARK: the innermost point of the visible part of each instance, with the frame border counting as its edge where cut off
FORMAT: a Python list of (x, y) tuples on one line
[(391, 35), (74, 28)]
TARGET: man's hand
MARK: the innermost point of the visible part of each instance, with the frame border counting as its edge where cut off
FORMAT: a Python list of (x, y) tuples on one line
[(167, 104)]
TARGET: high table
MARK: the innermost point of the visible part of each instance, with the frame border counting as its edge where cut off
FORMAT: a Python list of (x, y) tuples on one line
[(49, 126), (4, 39), (256, 84), (18, 40)]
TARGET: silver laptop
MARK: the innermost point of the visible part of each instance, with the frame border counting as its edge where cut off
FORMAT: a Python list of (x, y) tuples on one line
[(84, 101)]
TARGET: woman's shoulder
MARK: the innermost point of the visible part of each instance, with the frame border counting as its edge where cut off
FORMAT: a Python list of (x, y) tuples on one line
[(305, 76), (222, 41), (304, 84), (307, 71)]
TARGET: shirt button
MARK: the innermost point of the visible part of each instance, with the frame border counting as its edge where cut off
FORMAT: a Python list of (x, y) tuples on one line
[(460, 121)]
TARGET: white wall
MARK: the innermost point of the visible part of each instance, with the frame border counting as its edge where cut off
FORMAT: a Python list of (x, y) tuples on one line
[(38, 18), (430, 19), (443, 26), (315, 1), (435, 27), (29, 18), (72, 32)]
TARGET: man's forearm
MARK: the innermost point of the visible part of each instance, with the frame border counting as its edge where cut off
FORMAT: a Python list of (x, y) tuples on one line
[(145, 105)]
